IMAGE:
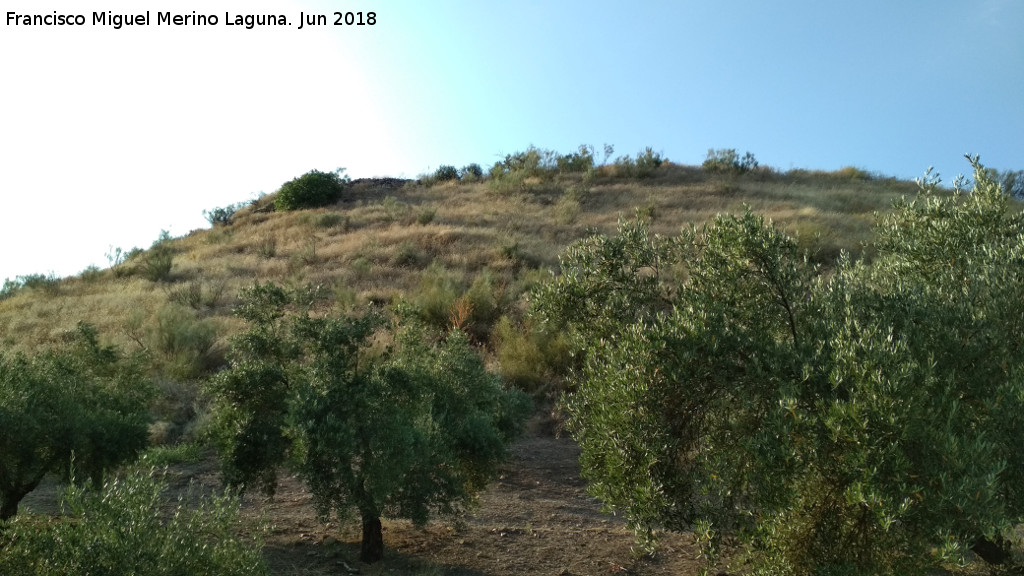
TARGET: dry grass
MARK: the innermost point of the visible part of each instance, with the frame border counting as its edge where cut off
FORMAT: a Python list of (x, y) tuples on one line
[(375, 244)]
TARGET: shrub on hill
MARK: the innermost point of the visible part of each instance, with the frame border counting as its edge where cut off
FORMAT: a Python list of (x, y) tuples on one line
[(155, 264), (446, 173), (222, 215), (311, 190), (646, 162), (579, 161), (471, 172), (866, 422), (48, 283), (727, 161)]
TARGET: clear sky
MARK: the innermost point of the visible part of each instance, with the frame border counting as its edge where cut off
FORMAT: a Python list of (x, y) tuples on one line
[(109, 136)]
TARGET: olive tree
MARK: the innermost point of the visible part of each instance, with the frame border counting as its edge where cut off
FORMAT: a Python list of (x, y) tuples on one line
[(413, 430), (82, 400), (857, 422), (123, 528)]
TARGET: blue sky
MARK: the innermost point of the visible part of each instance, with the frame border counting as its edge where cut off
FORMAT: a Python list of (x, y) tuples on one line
[(110, 136)]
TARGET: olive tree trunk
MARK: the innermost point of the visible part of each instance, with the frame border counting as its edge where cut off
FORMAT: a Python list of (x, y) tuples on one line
[(372, 549)]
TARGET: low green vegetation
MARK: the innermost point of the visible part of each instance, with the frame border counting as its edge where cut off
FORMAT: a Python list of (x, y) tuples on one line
[(311, 190), (728, 161), (122, 529), (866, 421)]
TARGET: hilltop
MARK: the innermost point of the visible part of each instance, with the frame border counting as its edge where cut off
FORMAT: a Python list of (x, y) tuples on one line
[(389, 238)]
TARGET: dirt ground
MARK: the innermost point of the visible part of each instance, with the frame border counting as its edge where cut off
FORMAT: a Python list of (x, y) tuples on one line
[(536, 518)]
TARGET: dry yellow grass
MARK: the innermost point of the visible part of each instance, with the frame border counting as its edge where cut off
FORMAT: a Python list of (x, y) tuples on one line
[(374, 245)]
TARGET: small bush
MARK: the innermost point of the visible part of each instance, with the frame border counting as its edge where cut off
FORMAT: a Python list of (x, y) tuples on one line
[(329, 220), (580, 161), (647, 161), (727, 161), (156, 266), (184, 345), (122, 530), (361, 267), (487, 299), (50, 284), (91, 273), (311, 190), (530, 162), (445, 173), (471, 173), (197, 294), (221, 215), (426, 215), (156, 263), (266, 245), (566, 210), (409, 255), (643, 166), (395, 209), (852, 173), (436, 296), (530, 359)]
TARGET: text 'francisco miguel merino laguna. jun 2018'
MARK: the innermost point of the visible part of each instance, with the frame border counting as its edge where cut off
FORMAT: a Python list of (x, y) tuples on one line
[(247, 21)]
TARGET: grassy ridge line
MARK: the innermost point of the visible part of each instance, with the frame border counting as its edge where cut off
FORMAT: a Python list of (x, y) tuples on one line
[(375, 245)]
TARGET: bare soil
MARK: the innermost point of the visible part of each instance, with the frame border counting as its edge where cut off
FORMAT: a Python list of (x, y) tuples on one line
[(536, 518)]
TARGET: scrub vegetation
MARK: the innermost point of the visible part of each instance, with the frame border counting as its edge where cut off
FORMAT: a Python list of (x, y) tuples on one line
[(774, 372)]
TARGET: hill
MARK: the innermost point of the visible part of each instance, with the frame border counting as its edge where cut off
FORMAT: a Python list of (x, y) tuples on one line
[(464, 252)]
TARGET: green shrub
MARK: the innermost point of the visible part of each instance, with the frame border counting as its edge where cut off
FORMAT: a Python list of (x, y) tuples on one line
[(91, 273), (184, 346), (580, 161), (361, 268), (445, 173), (50, 284), (155, 264), (123, 530), (425, 215), (647, 161), (329, 220), (410, 255), (197, 294), (512, 173), (222, 215), (266, 245), (436, 296), (395, 209), (471, 173), (311, 190), (727, 161), (486, 300), (864, 422), (530, 359)]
